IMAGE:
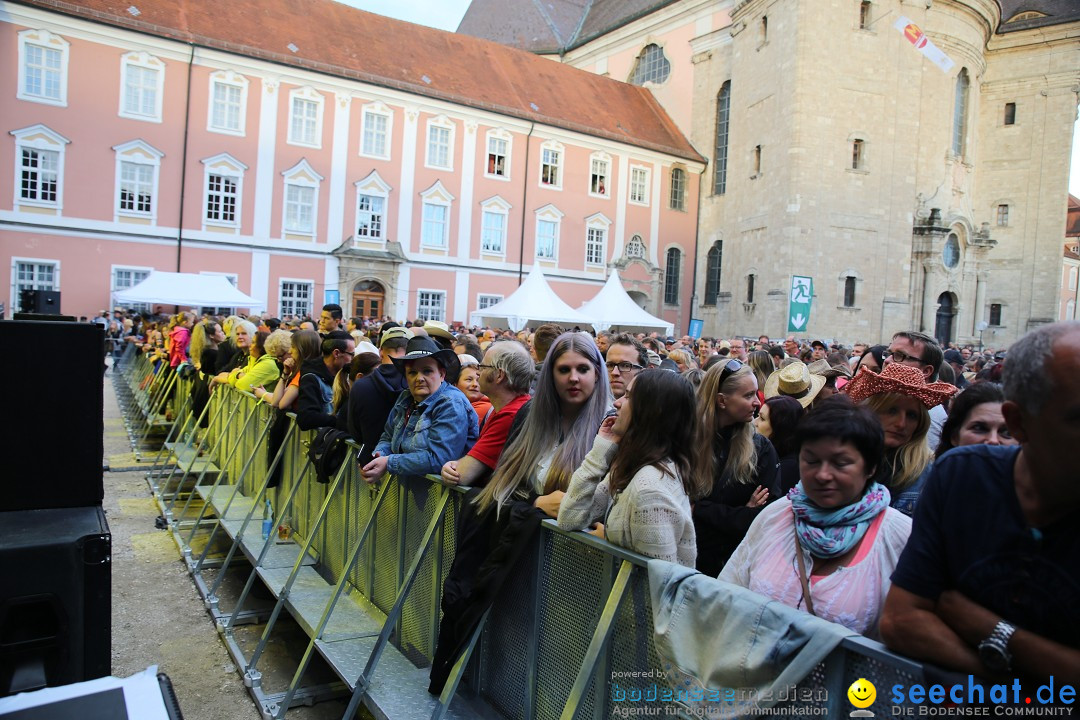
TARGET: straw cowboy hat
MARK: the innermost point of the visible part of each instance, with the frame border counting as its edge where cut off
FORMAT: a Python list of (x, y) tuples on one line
[(424, 347), (897, 378), (795, 381)]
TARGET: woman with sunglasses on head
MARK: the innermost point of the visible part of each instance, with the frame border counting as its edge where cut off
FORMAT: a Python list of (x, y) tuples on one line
[(741, 466), (830, 546), (637, 482)]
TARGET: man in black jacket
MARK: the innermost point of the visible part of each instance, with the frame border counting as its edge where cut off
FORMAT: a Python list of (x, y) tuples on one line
[(314, 404), (372, 397)]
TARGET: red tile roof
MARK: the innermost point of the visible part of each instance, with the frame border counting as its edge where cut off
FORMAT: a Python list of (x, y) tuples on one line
[(339, 40), (1072, 221)]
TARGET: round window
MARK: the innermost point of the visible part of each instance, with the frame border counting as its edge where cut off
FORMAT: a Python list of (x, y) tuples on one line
[(950, 255)]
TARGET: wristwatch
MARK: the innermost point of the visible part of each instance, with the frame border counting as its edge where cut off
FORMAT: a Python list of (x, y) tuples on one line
[(993, 651)]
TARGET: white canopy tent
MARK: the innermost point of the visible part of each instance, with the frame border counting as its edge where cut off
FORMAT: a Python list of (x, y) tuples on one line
[(533, 302), (613, 310), (187, 290)]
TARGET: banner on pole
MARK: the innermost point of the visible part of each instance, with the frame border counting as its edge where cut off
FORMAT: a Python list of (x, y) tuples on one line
[(802, 294), (914, 35)]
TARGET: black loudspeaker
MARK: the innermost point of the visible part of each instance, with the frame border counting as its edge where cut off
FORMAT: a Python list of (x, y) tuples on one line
[(42, 302), (53, 445), (55, 606)]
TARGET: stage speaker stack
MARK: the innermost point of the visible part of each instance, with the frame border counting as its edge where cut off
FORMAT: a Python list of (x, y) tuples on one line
[(55, 545)]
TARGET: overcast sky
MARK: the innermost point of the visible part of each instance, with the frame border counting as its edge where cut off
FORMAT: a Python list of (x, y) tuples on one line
[(446, 15), (442, 14)]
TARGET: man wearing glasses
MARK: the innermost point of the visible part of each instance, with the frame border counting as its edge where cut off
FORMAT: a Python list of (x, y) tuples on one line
[(919, 350), (626, 357)]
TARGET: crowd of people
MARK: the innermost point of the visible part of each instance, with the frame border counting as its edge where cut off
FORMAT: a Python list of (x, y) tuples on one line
[(926, 496)]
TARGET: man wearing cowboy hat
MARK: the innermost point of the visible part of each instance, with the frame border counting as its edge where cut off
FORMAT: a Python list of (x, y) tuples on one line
[(431, 423), (988, 582), (795, 381)]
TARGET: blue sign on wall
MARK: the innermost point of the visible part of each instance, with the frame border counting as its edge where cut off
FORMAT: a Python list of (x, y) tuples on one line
[(696, 326), (332, 297)]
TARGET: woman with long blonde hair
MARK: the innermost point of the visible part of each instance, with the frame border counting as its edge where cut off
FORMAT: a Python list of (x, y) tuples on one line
[(742, 465)]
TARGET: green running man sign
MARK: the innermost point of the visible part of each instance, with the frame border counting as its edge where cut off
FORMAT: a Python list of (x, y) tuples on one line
[(802, 293)]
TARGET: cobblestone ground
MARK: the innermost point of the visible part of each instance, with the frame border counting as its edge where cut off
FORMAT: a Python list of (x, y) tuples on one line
[(157, 614)]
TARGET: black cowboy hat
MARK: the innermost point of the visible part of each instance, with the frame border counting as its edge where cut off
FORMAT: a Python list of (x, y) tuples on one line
[(424, 347)]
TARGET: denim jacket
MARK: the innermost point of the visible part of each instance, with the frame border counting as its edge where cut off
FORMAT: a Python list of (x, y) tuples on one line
[(441, 428)]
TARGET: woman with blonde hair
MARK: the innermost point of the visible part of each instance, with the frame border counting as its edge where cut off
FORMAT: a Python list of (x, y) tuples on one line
[(902, 399), (683, 359), (742, 465), (306, 345), (571, 399)]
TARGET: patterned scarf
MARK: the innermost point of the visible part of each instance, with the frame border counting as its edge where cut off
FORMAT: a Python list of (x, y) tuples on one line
[(831, 533)]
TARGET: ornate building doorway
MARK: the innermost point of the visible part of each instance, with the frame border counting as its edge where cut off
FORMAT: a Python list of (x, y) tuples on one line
[(369, 299), (946, 314)]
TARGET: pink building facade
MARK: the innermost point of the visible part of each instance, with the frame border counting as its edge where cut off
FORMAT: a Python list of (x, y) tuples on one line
[(130, 150)]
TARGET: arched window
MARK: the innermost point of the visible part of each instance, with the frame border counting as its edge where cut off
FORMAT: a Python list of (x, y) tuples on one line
[(651, 66), (671, 276), (849, 291), (723, 108), (635, 248), (678, 189), (750, 288), (712, 272), (960, 113)]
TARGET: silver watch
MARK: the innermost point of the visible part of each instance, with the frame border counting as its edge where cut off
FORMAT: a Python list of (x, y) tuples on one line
[(993, 651)]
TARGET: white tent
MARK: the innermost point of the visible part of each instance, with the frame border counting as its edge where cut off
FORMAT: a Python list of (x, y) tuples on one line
[(187, 290), (534, 301), (612, 309)]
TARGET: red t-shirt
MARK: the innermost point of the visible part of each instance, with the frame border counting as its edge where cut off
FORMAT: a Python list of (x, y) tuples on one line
[(492, 439)]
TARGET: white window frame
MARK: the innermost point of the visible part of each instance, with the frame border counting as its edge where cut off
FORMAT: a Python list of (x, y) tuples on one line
[(642, 197), (560, 162), (113, 287), (436, 196), (13, 300), (300, 176), (547, 214), (422, 310), (310, 95), (492, 300), (497, 207), (140, 154), (372, 186), (630, 245), (1073, 271), (281, 296), (601, 224), (376, 110), (225, 165), (1070, 309), (142, 61), (442, 123), (503, 136), (603, 159), (47, 41), (42, 139), (231, 80)]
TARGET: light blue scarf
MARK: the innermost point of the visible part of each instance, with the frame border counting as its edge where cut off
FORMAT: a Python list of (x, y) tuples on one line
[(831, 533)]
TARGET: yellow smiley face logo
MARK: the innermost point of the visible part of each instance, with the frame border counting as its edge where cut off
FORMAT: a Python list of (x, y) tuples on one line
[(862, 693)]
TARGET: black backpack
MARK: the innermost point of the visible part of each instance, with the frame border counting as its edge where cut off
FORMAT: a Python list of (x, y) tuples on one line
[(328, 450)]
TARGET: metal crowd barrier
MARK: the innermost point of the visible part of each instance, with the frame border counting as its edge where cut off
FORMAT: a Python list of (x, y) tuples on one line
[(362, 573)]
